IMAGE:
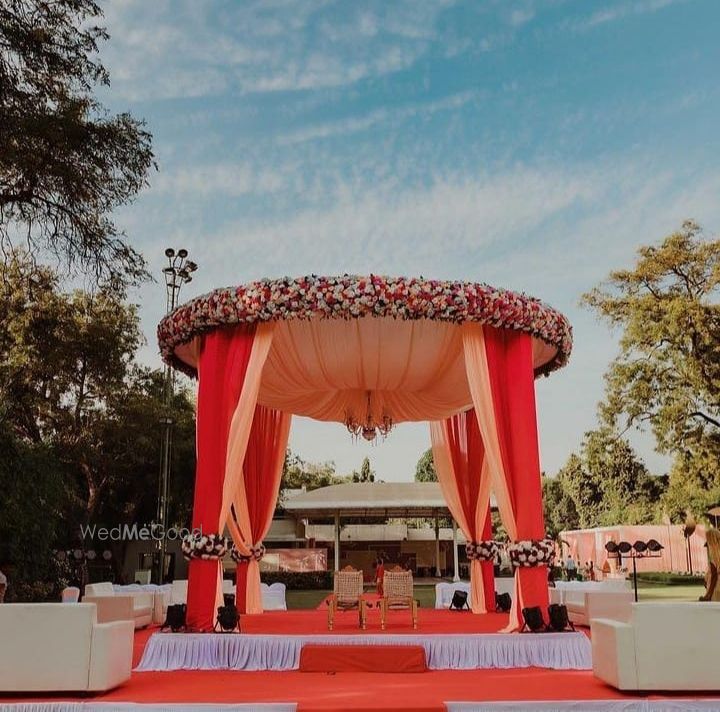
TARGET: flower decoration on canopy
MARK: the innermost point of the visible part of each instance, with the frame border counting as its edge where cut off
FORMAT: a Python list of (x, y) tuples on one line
[(354, 297), (204, 546), (532, 552), (256, 553), (486, 550)]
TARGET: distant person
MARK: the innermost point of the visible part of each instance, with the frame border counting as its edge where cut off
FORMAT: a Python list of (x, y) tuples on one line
[(3, 585), (551, 577), (570, 568), (590, 571), (379, 574), (712, 589)]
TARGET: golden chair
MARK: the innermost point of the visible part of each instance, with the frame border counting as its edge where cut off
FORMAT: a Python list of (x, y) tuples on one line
[(398, 594), (347, 595)]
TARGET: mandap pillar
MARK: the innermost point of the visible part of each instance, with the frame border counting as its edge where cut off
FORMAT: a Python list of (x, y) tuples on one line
[(438, 573)]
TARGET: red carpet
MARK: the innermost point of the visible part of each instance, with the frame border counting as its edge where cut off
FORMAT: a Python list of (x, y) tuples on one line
[(363, 658), (352, 691), (430, 621)]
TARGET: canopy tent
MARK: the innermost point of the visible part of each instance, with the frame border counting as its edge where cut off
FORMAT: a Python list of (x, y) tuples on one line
[(368, 352)]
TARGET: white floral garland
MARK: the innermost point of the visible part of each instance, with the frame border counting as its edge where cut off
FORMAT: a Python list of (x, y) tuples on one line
[(205, 546), (532, 552), (256, 553), (486, 550)]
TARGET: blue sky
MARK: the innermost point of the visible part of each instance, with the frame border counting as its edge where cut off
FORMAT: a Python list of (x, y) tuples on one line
[(532, 144)]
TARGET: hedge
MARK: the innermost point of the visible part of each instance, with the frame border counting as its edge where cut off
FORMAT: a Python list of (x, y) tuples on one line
[(669, 579), (300, 580)]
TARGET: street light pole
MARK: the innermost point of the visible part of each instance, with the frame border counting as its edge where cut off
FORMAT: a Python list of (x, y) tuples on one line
[(177, 272)]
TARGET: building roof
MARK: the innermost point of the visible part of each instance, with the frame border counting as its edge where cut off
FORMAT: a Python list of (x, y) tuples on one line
[(370, 499)]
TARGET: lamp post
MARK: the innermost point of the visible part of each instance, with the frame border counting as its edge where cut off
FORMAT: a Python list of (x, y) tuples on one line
[(177, 272)]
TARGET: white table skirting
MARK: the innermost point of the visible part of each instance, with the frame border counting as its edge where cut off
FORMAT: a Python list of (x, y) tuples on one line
[(150, 707), (210, 651), (674, 705)]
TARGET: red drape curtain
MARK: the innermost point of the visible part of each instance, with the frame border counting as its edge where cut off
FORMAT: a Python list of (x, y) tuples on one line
[(255, 505), (512, 385), (468, 455), (224, 357)]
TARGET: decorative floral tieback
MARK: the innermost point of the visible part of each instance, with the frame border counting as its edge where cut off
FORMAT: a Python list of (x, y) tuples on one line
[(532, 552), (205, 546), (256, 553), (482, 550)]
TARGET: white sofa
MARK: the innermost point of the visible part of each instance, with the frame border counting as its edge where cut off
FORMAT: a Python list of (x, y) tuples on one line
[(617, 584), (444, 590), (161, 595), (52, 647), (665, 646), (136, 606), (584, 605), (273, 595)]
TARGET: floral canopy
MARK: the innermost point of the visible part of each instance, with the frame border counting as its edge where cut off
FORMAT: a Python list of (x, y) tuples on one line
[(369, 352)]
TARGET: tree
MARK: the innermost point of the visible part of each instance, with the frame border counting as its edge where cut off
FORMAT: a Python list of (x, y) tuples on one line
[(298, 474), (65, 162), (425, 468), (559, 507), (366, 474), (606, 484), (668, 371), (79, 416)]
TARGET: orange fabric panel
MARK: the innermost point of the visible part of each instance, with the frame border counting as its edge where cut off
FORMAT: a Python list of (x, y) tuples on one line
[(363, 658)]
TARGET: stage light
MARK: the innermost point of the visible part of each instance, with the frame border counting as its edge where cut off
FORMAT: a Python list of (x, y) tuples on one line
[(558, 618), (611, 547), (624, 547), (182, 253), (459, 601), (503, 602), (640, 546), (175, 617), (533, 618), (227, 619), (169, 253), (654, 545)]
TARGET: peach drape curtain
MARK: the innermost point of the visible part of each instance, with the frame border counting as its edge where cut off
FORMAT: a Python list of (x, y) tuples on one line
[(256, 497), (243, 418), (450, 477)]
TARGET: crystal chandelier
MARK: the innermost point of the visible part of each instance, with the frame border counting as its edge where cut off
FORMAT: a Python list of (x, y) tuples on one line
[(368, 429)]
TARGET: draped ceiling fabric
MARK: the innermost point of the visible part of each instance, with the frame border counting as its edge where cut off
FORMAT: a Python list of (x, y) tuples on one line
[(464, 478), (500, 374), (353, 347), (255, 499)]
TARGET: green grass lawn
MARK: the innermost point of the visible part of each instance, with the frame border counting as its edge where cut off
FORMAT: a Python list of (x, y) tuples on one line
[(426, 595)]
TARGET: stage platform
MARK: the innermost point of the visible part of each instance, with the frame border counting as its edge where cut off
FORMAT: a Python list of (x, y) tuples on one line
[(451, 641)]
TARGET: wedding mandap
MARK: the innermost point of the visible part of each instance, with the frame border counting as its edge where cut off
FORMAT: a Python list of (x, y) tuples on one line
[(368, 352)]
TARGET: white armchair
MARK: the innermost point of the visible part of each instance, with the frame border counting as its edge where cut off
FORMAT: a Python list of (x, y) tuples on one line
[(70, 594), (56, 647), (136, 606), (273, 596), (585, 605), (664, 646)]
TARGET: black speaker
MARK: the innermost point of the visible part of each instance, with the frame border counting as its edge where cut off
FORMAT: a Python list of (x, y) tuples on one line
[(459, 601), (558, 618), (227, 619), (503, 602), (175, 617), (229, 599), (533, 618)]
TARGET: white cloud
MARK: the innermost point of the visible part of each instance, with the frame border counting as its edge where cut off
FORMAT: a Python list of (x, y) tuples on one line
[(166, 50), (620, 11)]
